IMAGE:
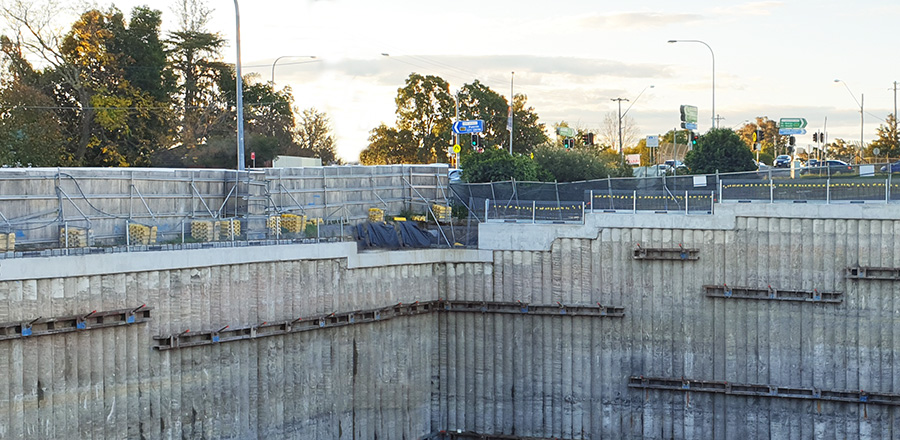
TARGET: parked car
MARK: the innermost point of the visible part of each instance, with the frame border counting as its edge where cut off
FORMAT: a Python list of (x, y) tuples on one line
[(894, 167), (782, 161), (455, 175), (828, 167), (677, 166)]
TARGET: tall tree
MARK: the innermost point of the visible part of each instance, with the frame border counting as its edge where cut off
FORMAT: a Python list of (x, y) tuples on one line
[(387, 146), (425, 108), (315, 138), (527, 131), (193, 55)]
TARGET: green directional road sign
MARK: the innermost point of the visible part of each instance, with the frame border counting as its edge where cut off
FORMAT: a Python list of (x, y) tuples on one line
[(792, 123), (566, 131)]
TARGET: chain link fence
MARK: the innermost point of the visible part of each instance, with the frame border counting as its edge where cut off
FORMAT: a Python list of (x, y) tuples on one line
[(690, 194)]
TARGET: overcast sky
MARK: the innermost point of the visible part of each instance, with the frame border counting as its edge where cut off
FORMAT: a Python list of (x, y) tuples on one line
[(772, 58)]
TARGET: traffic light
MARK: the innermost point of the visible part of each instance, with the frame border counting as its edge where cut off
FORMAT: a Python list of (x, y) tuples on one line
[(792, 141), (816, 137), (588, 139), (759, 136), (569, 143), (694, 138), (476, 141)]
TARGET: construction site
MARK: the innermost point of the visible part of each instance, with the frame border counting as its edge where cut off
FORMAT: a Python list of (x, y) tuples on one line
[(215, 304)]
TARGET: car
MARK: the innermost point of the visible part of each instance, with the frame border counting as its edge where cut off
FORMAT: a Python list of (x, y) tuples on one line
[(677, 166), (894, 167), (455, 175), (659, 170), (782, 161), (828, 167)]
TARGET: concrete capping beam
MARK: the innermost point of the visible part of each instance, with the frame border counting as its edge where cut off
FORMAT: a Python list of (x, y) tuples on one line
[(540, 237), (101, 264)]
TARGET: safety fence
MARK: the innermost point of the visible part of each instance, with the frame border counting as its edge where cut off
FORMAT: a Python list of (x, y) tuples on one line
[(537, 202)]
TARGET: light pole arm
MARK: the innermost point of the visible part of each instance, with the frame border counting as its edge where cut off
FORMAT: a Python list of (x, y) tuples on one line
[(713, 54)]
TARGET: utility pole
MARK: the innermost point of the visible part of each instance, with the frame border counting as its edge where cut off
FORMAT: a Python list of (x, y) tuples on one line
[(619, 100)]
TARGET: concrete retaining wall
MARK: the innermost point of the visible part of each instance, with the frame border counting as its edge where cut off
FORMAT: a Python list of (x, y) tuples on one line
[(537, 376)]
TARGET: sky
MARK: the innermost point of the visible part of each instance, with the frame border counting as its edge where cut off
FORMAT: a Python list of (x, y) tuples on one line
[(777, 59)]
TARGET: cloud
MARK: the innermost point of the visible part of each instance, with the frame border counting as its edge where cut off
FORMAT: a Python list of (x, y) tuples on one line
[(633, 20), (753, 8)]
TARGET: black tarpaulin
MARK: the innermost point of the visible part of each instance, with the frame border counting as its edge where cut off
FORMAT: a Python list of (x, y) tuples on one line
[(413, 236)]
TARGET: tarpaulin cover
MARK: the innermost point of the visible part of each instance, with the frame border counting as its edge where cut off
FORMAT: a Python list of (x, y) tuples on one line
[(413, 236)]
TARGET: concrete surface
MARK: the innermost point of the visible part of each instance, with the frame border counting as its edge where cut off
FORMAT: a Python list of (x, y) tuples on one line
[(538, 376)]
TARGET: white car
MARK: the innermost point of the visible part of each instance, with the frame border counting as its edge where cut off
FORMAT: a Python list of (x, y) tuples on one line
[(455, 175)]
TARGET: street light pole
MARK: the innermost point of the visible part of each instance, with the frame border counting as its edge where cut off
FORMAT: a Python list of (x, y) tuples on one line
[(288, 56), (861, 114), (240, 90), (714, 122), (620, 120)]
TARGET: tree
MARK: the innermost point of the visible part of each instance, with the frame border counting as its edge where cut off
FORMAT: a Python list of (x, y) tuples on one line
[(888, 142), (29, 129), (496, 165), (609, 132), (841, 150), (719, 150), (572, 165), (388, 146), (769, 140), (315, 138), (425, 108), (192, 54), (527, 131)]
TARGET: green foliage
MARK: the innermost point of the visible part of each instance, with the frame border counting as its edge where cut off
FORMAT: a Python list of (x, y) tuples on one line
[(496, 165), (314, 137), (425, 108), (888, 142), (719, 150), (388, 146), (578, 164)]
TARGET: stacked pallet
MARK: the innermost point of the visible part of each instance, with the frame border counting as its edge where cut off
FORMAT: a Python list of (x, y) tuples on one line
[(293, 223), (376, 215), (73, 237), (202, 230), (419, 218), (442, 212), (7, 242), (273, 224), (142, 234), (228, 228)]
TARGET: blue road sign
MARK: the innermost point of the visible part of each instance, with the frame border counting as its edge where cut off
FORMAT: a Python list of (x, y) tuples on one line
[(690, 125), (791, 131), (463, 127)]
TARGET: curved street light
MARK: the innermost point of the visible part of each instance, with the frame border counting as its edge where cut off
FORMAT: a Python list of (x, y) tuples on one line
[(860, 103), (713, 75), (287, 56)]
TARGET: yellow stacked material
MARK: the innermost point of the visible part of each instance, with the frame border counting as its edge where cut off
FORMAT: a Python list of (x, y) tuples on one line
[(419, 218), (7, 242), (228, 228), (399, 219), (273, 224), (376, 215), (77, 237), (203, 231), (442, 212), (293, 223), (141, 234)]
